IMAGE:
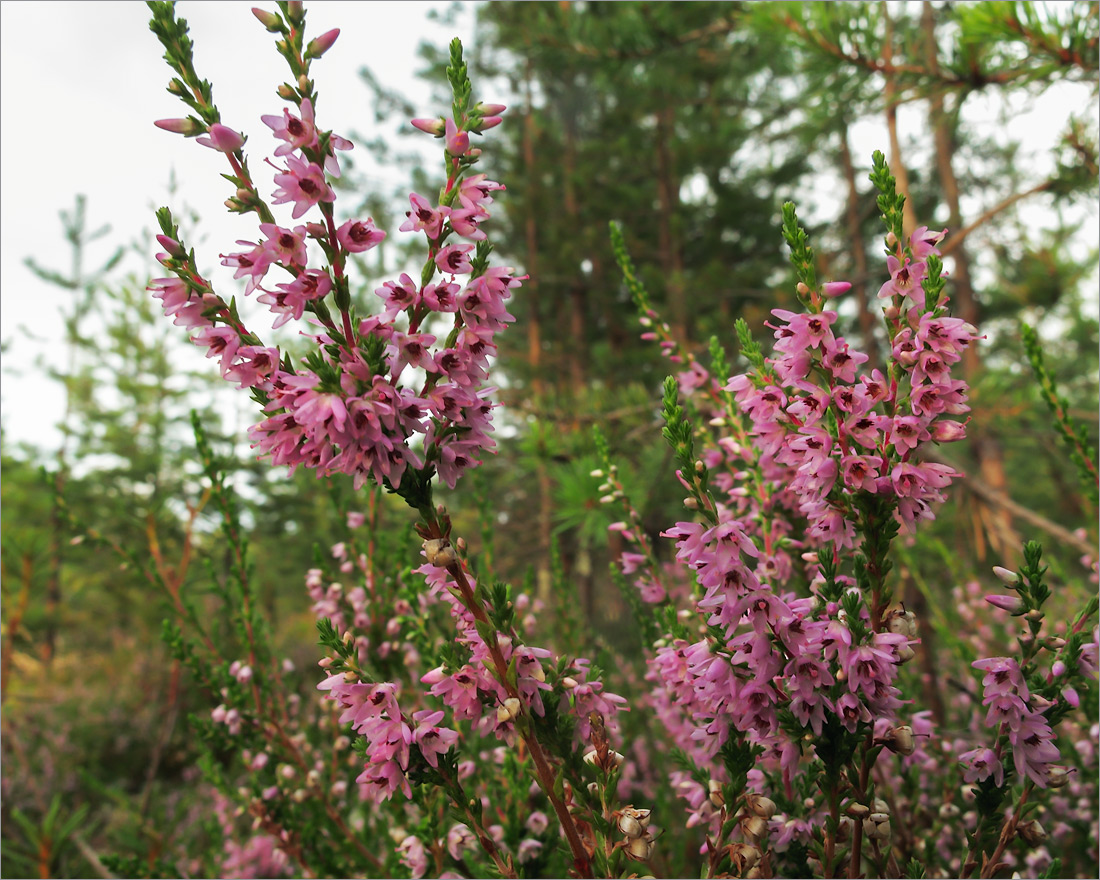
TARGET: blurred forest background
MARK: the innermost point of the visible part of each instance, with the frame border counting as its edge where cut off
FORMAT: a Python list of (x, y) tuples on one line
[(688, 123)]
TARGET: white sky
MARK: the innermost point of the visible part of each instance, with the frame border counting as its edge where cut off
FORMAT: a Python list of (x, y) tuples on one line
[(80, 86)]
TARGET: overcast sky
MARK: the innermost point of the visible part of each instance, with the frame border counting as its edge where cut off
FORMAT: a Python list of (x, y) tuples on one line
[(80, 86)]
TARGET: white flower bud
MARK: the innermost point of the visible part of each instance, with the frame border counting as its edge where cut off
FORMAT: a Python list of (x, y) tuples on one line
[(1006, 575)]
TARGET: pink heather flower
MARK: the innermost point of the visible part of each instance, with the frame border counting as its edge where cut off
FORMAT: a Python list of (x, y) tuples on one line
[(458, 142), (907, 432), (528, 850), (355, 519), (1033, 750), (459, 839), (357, 236), (399, 295), (297, 132), (905, 279), (860, 471), (304, 184), (454, 259), (842, 362), (441, 297), (1002, 676), (423, 217), (803, 331), (220, 342), (923, 242), (537, 822), (432, 740), (979, 764), (464, 221), (474, 191), (413, 856), (284, 246), (173, 293), (916, 479), (254, 264)]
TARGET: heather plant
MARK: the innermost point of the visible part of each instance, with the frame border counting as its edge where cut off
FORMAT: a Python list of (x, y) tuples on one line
[(445, 738)]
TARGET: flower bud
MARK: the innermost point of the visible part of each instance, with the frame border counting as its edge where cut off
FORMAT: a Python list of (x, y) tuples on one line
[(173, 247), (1034, 615), (187, 127), (322, 44), (285, 91), (1006, 575), (488, 109), (835, 288), (947, 431), (1011, 604), (458, 142), (223, 139), (268, 19), (434, 127), (486, 123)]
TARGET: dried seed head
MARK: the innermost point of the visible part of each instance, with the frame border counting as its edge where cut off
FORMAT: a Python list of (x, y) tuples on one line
[(759, 805), (900, 740), (1032, 832), (630, 826), (755, 827), (715, 793), (639, 848), (438, 551)]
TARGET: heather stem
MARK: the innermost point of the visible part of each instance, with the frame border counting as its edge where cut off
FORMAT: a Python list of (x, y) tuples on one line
[(542, 764)]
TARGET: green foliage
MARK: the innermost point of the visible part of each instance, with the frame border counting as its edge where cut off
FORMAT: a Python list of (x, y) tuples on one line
[(1081, 451)]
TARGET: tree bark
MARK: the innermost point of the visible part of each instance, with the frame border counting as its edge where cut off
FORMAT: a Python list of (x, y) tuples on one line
[(984, 444), (890, 93), (859, 254)]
